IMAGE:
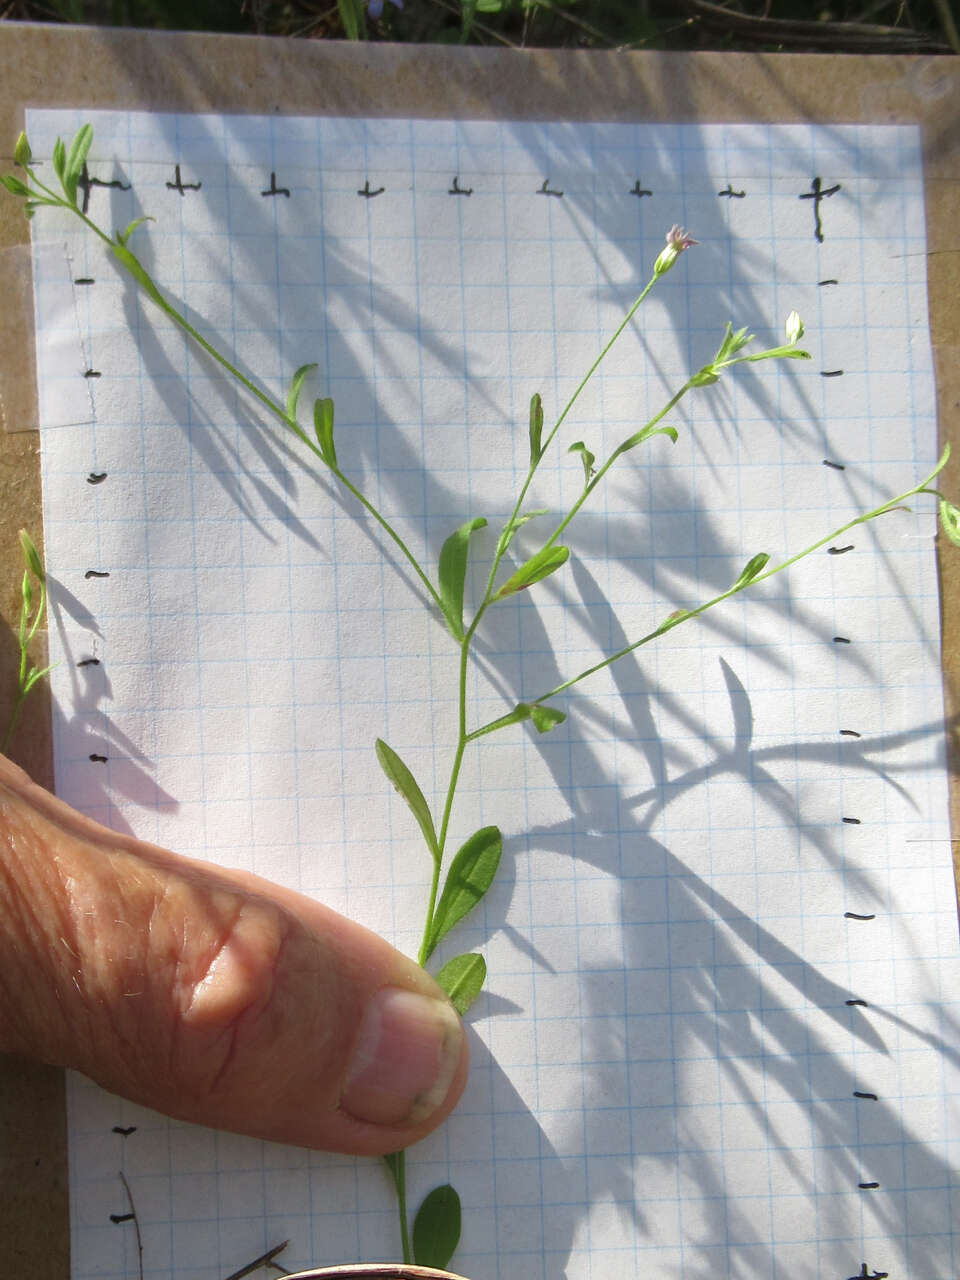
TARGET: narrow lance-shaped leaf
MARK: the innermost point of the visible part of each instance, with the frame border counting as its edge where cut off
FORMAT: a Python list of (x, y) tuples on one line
[(470, 876), (406, 784), (452, 573), (59, 159), (323, 425), (536, 429), (462, 978), (76, 159), (293, 395), (510, 530), (436, 1228), (646, 434), (539, 566), (586, 457), (14, 185), (751, 570), (124, 236), (132, 264)]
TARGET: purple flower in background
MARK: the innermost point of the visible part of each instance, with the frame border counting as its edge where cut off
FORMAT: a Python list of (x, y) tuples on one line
[(375, 7)]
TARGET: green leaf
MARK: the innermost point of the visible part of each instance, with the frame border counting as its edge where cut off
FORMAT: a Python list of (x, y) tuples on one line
[(323, 425), (452, 572), (751, 570), (22, 155), (462, 978), (510, 529), (586, 457), (14, 185), (124, 236), (732, 343), (950, 521), (645, 434), (536, 429), (76, 159), (406, 784), (545, 718), (351, 15), (59, 158), (293, 395), (470, 876), (26, 591), (540, 566), (132, 264), (436, 1228)]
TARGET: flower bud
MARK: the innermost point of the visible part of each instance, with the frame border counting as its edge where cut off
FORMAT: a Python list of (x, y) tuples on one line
[(21, 152), (794, 328), (677, 241), (31, 556)]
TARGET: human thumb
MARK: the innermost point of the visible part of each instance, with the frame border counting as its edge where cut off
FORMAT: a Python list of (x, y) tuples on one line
[(212, 995)]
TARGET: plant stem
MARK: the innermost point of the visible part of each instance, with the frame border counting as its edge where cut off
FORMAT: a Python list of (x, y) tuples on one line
[(12, 723), (273, 406), (535, 462), (462, 739), (396, 1162), (595, 480), (685, 616)]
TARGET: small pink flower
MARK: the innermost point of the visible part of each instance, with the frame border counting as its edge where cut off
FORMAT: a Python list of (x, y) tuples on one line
[(677, 237), (677, 241)]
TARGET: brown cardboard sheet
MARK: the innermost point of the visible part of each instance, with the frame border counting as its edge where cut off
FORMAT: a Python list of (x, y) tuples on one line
[(92, 67)]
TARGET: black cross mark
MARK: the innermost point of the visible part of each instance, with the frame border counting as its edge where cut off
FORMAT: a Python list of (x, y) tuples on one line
[(864, 1274), (457, 190), (637, 190), (729, 192), (85, 182), (178, 183), (818, 194), (274, 190), (367, 193), (547, 190)]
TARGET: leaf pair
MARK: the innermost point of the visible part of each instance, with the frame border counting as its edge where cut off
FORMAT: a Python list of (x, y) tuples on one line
[(68, 165), (544, 718), (322, 414)]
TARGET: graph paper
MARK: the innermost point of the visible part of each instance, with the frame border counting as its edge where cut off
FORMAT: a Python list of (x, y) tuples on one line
[(719, 1036)]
